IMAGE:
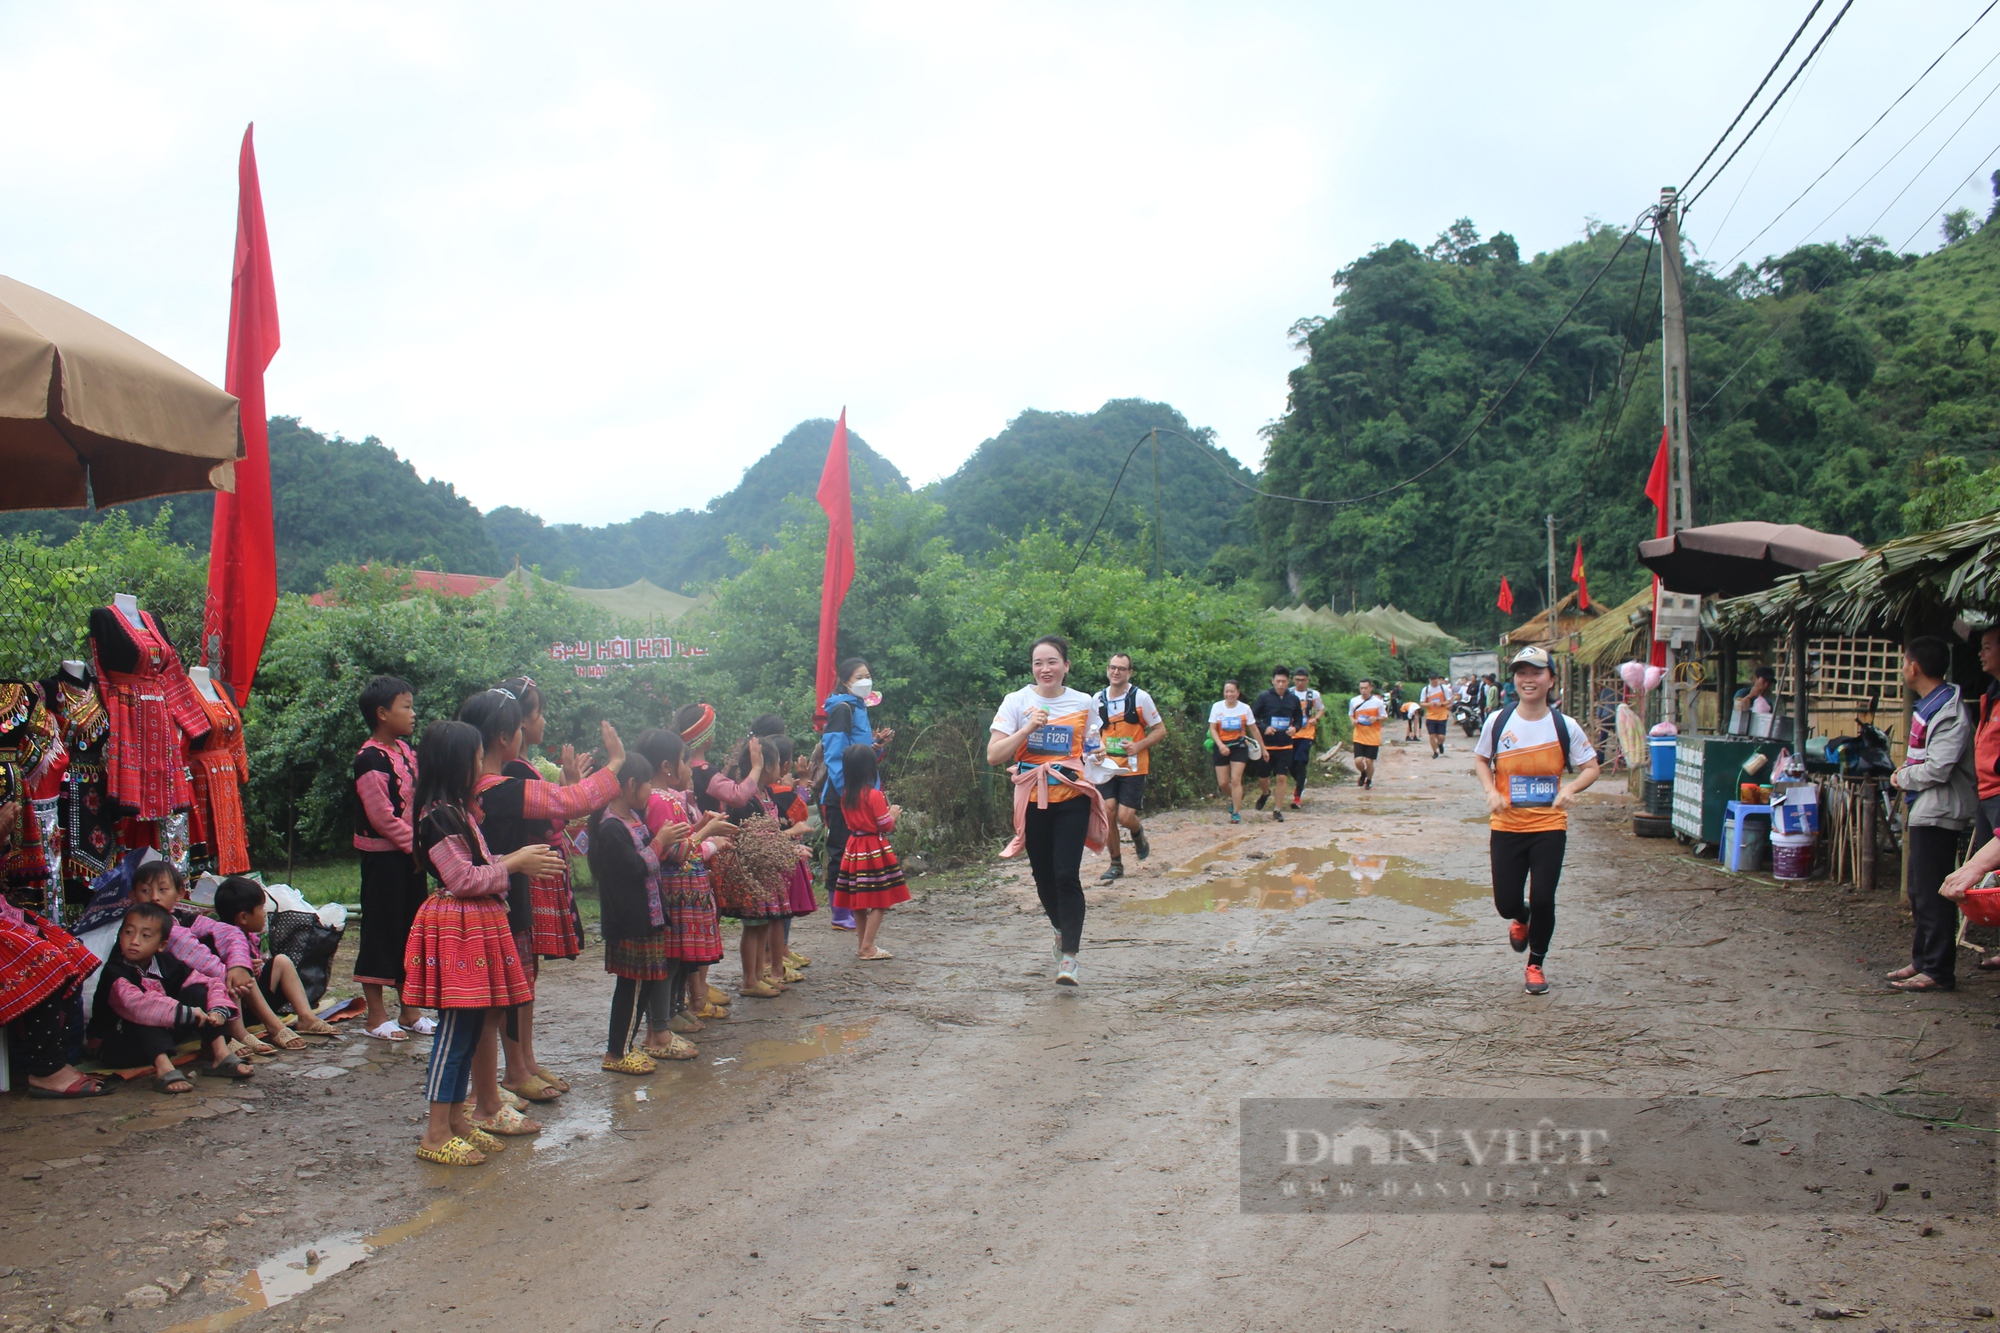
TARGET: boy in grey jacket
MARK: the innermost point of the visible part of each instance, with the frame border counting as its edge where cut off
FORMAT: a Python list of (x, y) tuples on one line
[(1943, 793)]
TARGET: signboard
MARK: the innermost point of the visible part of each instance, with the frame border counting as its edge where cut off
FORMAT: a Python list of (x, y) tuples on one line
[(596, 658), (1677, 619)]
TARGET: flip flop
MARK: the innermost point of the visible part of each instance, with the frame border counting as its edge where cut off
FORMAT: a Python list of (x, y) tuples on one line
[(261, 1049), (235, 1069), (532, 1089), (297, 1043), (455, 1152), (509, 1124), (165, 1084), (85, 1086), (559, 1084), (879, 956), (390, 1030), (424, 1026)]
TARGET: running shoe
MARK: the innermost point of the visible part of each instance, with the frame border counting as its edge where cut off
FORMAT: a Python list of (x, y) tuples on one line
[(1116, 870), (1261, 799), (1537, 983), (1140, 845), (1297, 806), (1517, 936), (1066, 975), (1278, 815), (1235, 818)]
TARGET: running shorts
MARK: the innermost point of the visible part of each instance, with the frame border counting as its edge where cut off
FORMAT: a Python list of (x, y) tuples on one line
[(1128, 790), (1235, 754), (1366, 751), (1436, 726)]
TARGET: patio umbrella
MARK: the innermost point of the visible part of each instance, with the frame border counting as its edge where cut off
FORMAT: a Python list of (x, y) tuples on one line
[(90, 413), (1731, 559)]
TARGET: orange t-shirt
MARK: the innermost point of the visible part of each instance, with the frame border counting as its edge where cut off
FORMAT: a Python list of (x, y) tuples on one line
[(1528, 764)]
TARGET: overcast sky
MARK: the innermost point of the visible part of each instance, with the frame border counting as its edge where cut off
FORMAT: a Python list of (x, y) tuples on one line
[(595, 259)]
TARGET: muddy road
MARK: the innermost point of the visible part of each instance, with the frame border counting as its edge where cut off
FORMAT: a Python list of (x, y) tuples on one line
[(949, 1141)]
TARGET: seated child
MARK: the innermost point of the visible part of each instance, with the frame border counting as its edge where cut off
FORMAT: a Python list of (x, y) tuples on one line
[(202, 942), (240, 906), (149, 1002)]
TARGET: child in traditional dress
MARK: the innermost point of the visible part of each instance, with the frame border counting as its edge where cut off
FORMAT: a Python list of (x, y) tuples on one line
[(242, 909), (200, 942), (694, 929), (149, 1002), (462, 959), (760, 899), (782, 788), (870, 881), (392, 888), (625, 859)]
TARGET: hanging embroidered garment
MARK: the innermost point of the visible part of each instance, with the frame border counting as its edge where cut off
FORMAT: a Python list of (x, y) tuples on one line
[(29, 747), (221, 766), (89, 825), (154, 710)]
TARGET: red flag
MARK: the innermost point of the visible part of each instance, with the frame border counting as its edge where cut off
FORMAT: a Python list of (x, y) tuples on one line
[(243, 553), (1392, 645), (1506, 602), (836, 497), (1576, 577), (1656, 491)]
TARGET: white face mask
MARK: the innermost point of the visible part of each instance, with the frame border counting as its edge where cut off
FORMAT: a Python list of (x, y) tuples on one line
[(860, 689)]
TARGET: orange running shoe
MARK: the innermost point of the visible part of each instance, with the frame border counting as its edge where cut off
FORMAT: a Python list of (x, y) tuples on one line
[(1537, 983), (1517, 936)]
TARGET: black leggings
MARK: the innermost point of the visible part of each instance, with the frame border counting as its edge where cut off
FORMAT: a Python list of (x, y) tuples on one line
[(1055, 853), (628, 1003), (668, 997), (42, 1036), (836, 836), (1531, 861)]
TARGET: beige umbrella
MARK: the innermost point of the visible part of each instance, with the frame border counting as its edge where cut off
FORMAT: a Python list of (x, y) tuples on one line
[(88, 413)]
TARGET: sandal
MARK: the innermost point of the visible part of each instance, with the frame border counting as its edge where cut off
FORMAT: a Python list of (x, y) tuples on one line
[(878, 956), (234, 1069), (559, 1084), (176, 1084), (717, 998), (759, 992), (680, 1048), (1900, 974), (508, 1124), (531, 1089), (509, 1097), (483, 1141), (632, 1062), (684, 1022), (711, 1012), (455, 1152), (287, 1039), (793, 975), (390, 1030), (263, 1050), (424, 1026), (798, 960), (1920, 982), (85, 1085)]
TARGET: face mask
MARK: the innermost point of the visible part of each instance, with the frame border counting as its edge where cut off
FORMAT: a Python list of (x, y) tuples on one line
[(860, 689)]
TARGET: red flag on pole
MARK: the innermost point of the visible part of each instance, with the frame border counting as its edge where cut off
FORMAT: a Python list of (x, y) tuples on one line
[(243, 553), (1506, 602), (1392, 645), (1576, 577), (836, 497), (1657, 492)]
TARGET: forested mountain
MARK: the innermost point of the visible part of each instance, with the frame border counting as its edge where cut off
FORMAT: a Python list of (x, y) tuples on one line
[(1822, 383), (1056, 467), (334, 501), (691, 546)]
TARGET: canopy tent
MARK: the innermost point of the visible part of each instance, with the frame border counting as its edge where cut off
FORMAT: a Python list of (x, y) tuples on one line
[(1732, 559), (1381, 622), (1928, 577), (91, 414)]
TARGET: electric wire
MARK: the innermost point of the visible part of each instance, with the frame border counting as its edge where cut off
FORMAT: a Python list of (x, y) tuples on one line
[(1615, 410), (1803, 24), (1751, 133), (1863, 135)]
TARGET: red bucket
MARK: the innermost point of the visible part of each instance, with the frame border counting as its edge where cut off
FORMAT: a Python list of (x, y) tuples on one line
[(1981, 906)]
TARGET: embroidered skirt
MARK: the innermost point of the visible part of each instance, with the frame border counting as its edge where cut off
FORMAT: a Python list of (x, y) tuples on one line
[(38, 960), (392, 889), (462, 956), (800, 883), (693, 934), (555, 927), (218, 810), (869, 875), (643, 959)]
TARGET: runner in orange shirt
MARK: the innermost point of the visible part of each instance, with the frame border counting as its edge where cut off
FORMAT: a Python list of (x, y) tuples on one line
[(1367, 711)]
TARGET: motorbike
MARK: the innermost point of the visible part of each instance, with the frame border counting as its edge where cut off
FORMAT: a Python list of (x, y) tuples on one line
[(1467, 715)]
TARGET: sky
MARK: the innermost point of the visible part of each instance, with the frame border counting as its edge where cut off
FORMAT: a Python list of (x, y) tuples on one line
[(594, 260)]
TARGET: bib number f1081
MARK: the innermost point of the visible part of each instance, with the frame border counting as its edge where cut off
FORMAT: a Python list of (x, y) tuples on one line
[(1524, 790)]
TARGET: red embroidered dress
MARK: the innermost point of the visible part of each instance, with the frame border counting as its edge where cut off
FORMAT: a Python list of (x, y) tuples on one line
[(154, 710), (38, 959), (518, 809), (220, 767), (461, 955)]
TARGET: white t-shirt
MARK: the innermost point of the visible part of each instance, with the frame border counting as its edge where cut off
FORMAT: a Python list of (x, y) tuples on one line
[(1522, 734), (1013, 713), (1149, 712), (1239, 710), (1100, 768)]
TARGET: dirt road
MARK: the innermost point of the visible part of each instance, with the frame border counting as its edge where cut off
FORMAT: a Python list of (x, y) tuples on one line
[(948, 1141)]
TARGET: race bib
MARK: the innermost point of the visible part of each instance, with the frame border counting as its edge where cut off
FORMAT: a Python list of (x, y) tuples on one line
[(1051, 740), (1281, 724), (1230, 727), (1524, 790)]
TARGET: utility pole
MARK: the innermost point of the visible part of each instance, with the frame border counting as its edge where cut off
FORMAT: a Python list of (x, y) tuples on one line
[(1555, 628), (1673, 399)]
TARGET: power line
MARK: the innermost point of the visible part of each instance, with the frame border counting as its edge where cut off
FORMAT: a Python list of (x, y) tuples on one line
[(1615, 411), (1757, 93), (1752, 131), (1863, 135), (1927, 164)]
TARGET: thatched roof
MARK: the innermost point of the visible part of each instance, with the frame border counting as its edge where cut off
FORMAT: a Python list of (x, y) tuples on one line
[(1612, 637), (1927, 577)]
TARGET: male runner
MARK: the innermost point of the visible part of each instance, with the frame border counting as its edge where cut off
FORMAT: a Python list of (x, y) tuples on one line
[(1131, 725), (1436, 700), (1522, 754), (1302, 744), (1279, 718), (1367, 711)]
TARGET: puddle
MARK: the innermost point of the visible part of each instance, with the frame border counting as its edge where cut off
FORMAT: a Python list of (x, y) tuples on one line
[(582, 1121), (822, 1040), (283, 1276), (1207, 857), (1295, 876)]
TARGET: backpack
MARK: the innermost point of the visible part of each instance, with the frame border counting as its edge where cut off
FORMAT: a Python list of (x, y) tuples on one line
[(1562, 733), (1131, 718)]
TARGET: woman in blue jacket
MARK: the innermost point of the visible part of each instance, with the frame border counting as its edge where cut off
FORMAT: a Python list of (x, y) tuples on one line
[(846, 724)]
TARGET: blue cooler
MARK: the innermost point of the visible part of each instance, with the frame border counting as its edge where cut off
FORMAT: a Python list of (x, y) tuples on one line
[(1664, 751)]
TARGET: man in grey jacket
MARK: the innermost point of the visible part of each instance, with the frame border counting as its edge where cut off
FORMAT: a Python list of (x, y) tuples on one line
[(1937, 774)]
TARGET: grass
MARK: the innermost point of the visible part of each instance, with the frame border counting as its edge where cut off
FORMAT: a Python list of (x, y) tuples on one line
[(339, 881)]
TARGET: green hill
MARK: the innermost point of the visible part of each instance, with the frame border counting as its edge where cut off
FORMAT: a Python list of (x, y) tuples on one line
[(1058, 467)]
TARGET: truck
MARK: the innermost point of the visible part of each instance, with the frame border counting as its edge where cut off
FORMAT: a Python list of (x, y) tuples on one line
[(1474, 664)]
